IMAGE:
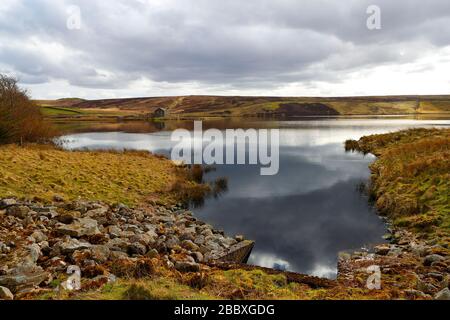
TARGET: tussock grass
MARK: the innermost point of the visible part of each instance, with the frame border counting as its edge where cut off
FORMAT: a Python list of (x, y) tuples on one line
[(411, 179)]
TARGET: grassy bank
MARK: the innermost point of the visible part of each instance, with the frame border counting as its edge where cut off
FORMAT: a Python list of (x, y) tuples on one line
[(411, 179), (44, 171)]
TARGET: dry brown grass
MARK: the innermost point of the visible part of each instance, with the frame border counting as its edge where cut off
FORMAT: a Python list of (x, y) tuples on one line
[(131, 177), (411, 179)]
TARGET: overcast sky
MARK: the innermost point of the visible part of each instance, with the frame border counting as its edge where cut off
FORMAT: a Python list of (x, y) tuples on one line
[(127, 48)]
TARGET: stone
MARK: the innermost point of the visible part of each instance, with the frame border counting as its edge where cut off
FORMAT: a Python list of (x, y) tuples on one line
[(39, 236), (153, 253), (34, 253), (198, 256), (444, 294), (144, 239), (189, 245), (80, 227), (99, 212), (395, 252), (24, 276), (114, 231), (436, 275), (6, 294), (137, 248), (344, 256), (7, 203), (382, 250), (66, 218), (432, 258), (419, 250), (187, 266), (58, 198), (117, 255), (100, 253), (70, 245), (18, 211)]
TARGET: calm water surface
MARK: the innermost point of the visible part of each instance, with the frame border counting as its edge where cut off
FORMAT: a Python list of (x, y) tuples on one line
[(303, 216)]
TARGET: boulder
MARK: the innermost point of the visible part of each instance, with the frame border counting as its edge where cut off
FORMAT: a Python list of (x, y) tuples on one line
[(70, 245), (443, 295), (382, 250), (23, 277), (189, 245), (430, 259), (34, 253), (80, 227), (187, 266), (5, 294), (153, 253), (18, 211), (66, 218), (137, 248), (39, 236), (100, 253), (7, 203)]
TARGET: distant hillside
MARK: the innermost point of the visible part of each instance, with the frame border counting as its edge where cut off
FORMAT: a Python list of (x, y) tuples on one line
[(258, 106)]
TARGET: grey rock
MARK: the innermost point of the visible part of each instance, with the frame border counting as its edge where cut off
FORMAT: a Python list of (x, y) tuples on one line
[(114, 231), (436, 275), (7, 203), (144, 239), (24, 276), (443, 295), (66, 218), (100, 253), (153, 253), (187, 266), (18, 211), (117, 244), (430, 259), (34, 253), (39, 236), (137, 248), (5, 294), (117, 255), (70, 245), (189, 245), (198, 256), (382, 250), (419, 250), (80, 227), (395, 252)]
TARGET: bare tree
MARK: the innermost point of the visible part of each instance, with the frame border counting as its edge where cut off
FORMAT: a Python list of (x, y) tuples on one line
[(20, 118)]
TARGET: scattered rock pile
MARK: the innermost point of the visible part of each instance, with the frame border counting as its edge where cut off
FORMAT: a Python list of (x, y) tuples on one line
[(418, 268), (38, 242)]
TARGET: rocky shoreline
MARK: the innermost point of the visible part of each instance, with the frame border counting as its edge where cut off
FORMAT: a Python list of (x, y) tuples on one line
[(39, 242), (415, 268)]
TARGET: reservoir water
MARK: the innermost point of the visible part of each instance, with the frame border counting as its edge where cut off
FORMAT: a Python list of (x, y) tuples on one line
[(300, 218)]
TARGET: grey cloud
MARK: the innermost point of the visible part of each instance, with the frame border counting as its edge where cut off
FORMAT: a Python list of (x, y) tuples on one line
[(233, 43)]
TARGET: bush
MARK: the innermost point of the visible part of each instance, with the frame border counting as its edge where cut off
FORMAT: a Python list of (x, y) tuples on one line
[(20, 118)]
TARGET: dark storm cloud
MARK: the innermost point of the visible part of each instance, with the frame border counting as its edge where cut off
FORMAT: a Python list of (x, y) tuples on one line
[(234, 43)]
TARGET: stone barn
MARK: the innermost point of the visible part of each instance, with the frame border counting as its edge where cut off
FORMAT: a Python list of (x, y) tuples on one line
[(160, 113)]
